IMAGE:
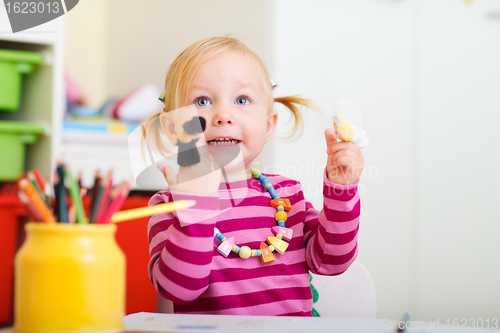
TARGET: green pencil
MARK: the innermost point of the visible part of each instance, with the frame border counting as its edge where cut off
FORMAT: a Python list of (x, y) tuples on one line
[(74, 191)]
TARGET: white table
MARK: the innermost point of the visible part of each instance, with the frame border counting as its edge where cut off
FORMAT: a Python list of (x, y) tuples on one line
[(154, 322)]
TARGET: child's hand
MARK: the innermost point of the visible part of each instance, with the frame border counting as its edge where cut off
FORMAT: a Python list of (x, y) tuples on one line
[(199, 178), (345, 161), (198, 173)]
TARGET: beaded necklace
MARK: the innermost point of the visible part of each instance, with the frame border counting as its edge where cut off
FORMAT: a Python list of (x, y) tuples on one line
[(277, 243)]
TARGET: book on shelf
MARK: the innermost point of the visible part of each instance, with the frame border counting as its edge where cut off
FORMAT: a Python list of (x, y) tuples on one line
[(96, 130)]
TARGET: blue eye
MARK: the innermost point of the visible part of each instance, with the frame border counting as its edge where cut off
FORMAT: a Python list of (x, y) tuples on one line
[(242, 100), (202, 101)]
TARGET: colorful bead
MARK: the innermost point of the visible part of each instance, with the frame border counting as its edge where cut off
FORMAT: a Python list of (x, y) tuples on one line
[(226, 247), (266, 253), (286, 233), (275, 243), (273, 192), (280, 246), (281, 216), (281, 202), (245, 252)]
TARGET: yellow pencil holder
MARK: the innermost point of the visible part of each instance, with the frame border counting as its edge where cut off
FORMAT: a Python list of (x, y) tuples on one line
[(69, 277)]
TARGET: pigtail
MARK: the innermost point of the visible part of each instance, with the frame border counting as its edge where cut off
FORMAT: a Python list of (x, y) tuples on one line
[(151, 137), (291, 102)]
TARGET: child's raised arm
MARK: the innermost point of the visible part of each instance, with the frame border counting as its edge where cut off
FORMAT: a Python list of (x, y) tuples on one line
[(332, 234)]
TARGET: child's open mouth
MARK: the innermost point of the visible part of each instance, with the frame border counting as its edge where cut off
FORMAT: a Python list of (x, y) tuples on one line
[(223, 142)]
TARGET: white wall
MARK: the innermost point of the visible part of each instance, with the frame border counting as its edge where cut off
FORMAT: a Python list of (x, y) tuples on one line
[(457, 222), (86, 48), (148, 35), (426, 77)]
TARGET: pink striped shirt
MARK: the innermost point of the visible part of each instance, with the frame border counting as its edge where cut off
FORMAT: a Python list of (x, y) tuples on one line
[(186, 268)]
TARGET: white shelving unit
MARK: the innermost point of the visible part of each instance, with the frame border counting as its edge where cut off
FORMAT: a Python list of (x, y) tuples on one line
[(42, 99)]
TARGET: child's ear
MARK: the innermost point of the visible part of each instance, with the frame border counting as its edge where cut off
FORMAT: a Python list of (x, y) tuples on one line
[(272, 121), (168, 127)]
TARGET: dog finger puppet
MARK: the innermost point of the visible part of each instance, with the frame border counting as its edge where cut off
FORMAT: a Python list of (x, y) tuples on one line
[(188, 153)]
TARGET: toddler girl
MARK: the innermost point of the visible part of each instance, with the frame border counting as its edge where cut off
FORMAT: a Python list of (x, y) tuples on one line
[(273, 236)]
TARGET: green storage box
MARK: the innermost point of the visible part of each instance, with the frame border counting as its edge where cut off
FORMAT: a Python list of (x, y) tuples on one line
[(13, 64), (14, 135)]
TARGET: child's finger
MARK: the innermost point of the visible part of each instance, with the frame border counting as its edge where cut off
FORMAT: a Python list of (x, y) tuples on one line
[(168, 173), (334, 147), (343, 157), (330, 136)]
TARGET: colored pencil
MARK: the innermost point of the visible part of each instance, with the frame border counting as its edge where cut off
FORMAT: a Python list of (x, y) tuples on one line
[(148, 211), (40, 179), (57, 196), (105, 197), (31, 207), (72, 214), (96, 194), (117, 202), (74, 191), (28, 188), (32, 178), (96, 200), (61, 205)]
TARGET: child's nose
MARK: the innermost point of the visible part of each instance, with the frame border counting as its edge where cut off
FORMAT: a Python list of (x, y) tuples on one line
[(223, 117)]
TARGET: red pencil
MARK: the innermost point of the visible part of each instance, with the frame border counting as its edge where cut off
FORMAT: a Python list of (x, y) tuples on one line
[(115, 205), (105, 197), (39, 179)]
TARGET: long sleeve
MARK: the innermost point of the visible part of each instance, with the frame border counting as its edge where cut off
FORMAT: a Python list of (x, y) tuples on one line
[(181, 246), (332, 234)]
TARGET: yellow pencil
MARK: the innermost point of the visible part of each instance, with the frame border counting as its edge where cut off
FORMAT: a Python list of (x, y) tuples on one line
[(148, 211)]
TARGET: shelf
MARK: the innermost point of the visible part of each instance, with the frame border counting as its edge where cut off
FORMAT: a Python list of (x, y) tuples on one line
[(32, 38), (42, 96)]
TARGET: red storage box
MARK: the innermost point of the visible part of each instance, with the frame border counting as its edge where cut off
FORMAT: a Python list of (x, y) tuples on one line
[(132, 237), (11, 209)]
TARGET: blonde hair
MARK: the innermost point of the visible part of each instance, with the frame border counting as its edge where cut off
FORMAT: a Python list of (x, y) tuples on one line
[(182, 71)]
